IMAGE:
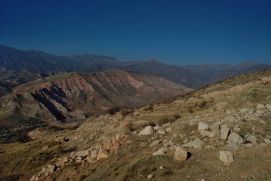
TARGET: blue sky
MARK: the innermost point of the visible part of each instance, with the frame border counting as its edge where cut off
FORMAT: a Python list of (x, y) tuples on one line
[(172, 31)]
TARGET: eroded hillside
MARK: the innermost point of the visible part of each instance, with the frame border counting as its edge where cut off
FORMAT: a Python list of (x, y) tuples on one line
[(68, 98), (220, 132)]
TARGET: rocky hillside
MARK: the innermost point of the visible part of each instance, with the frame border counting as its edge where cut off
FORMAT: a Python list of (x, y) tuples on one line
[(220, 132), (192, 76), (66, 98)]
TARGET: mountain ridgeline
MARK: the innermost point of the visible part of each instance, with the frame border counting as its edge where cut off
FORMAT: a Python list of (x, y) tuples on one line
[(192, 76)]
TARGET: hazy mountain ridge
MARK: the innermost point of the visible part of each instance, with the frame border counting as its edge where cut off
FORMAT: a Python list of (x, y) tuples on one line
[(10, 79), (193, 76)]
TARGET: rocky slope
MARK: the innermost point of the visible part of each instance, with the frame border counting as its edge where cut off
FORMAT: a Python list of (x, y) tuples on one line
[(193, 76), (66, 98), (220, 132)]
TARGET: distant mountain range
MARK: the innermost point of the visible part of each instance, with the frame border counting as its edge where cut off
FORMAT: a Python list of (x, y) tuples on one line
[(192, 76)]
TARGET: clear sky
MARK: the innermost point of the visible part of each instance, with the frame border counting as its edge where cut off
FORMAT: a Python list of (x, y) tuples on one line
[(171, 31)]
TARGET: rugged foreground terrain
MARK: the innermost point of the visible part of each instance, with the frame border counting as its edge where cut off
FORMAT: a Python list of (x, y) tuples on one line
[(220, 132)]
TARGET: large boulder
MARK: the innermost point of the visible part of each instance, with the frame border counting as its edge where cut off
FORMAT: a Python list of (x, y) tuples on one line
[(226, 157), (235, 138), (148, 130), (224, 132), (180, 154)]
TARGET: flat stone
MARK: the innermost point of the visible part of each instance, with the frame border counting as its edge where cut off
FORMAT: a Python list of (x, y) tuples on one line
[(202, 126), (260, 106), (156, 142), (161, 131), (161, 151), (197, 143), (209, 134), (215, 128), (226, 157)]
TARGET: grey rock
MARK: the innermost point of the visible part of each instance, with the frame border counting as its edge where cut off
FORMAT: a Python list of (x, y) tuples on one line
[(224, 133), (235, 138), (161, 131), (226, 157), (260, 106), (82, 154), (267, 141), (148, 130), (202, 126), (251, 139), (157, 127)]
